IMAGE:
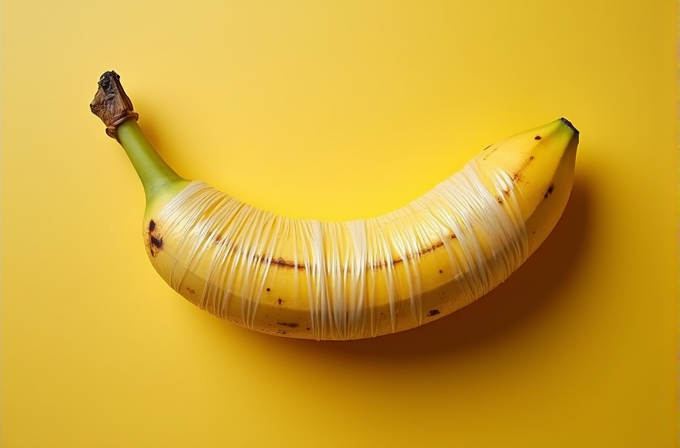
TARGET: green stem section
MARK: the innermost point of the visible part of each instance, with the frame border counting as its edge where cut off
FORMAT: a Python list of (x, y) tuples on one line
[(112, 105), (155, 174)]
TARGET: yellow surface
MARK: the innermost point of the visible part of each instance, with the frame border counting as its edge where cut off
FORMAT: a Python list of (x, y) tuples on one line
[(336, 110)]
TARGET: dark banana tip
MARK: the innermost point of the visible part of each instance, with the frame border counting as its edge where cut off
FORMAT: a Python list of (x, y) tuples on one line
[(568, 123), (111, 104)]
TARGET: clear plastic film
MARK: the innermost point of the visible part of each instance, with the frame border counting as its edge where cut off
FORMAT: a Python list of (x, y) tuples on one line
[(352, 279)]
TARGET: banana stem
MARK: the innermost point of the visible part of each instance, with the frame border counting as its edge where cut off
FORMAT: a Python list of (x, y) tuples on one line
[(152, 170), (112, 105)]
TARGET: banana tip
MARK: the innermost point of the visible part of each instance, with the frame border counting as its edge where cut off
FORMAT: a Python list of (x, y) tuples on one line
[(568, 123)]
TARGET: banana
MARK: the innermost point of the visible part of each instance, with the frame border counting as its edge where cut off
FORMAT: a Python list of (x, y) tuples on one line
[(356, 279)]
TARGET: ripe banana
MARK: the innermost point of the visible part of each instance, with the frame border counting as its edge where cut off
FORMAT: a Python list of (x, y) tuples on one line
[(356, 279)]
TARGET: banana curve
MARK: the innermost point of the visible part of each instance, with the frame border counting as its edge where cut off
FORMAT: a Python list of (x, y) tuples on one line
[(346, 271), (355, 279)]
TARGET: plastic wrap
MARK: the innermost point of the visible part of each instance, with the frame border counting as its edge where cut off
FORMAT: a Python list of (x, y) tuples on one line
[(468, 230)]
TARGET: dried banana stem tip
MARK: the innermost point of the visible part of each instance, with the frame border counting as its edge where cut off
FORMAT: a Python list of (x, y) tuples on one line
[(111, 104)]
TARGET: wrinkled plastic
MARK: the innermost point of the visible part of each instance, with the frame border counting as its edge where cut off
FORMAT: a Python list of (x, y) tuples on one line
[(343, 269)]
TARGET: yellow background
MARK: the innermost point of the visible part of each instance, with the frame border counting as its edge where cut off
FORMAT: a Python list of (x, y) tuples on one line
[(337, 110)]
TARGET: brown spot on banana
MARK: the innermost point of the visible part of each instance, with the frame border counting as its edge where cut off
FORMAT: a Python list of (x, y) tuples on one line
[(517, 176), (282, 262), (155, 241), (551, 188)]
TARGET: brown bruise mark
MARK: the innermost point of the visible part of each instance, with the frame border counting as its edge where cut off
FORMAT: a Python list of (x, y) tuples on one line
[(517, 176), (433, 313), (281, 332), (280, 301), (499, 200), (551, 188), (280, 261), (288, 324), (538, 137), (191, 291), (441, 272), (155, 241)]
